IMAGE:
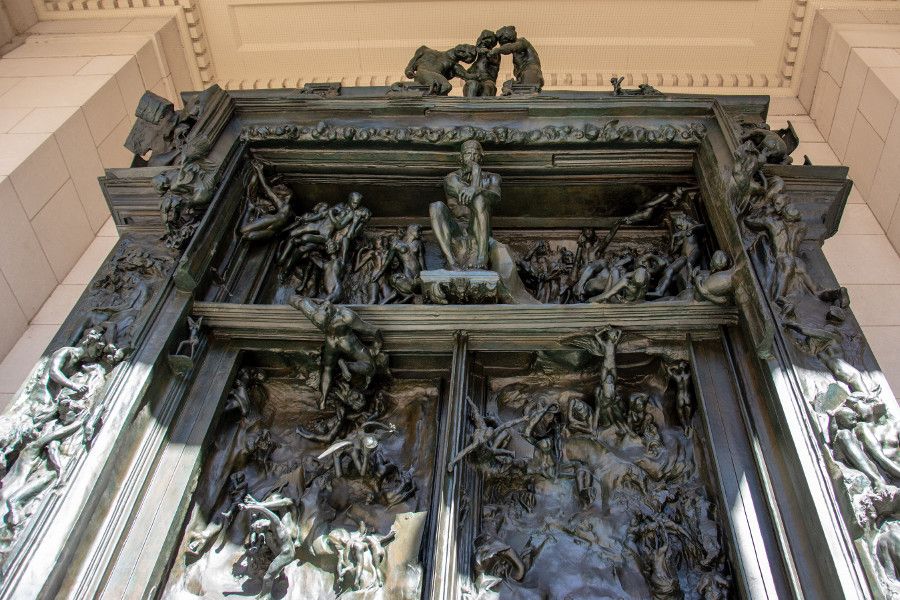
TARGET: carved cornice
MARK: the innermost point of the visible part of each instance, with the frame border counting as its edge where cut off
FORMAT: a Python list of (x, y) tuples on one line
[(187, 11), (490, 327), (681, 134), (196, 42)]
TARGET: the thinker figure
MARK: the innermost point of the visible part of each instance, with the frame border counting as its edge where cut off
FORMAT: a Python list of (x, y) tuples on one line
[(526, 63), (435, 69), (462, 224), (342, 348)]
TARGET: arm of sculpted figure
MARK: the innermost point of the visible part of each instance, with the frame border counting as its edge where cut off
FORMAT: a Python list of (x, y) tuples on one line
[(462, 73), (612, 291), (507, 48), (58, 361), (273, 197), (360, 326), (411, 66), (873, 446)]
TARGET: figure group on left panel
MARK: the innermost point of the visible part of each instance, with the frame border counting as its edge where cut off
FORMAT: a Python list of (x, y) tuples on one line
[(323, 253), (317, 484)]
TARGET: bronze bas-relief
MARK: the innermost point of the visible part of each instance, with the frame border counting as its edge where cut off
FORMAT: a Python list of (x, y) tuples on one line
[(667, 373)]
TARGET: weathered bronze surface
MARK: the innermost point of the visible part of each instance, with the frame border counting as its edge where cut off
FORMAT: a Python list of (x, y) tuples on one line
[(388, 344)]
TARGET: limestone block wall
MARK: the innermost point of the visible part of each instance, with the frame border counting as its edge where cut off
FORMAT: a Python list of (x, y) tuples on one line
[(851, 87), (16, 16), (67, 100)]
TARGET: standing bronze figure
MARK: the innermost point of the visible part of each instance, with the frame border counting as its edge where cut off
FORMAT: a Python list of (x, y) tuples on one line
[(485, 69), (526, 63)]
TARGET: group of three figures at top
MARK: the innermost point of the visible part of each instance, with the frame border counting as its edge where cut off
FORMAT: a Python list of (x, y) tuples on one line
[(434, 68)]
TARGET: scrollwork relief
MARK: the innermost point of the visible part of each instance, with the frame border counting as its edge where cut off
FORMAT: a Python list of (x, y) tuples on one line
[(612, 131)]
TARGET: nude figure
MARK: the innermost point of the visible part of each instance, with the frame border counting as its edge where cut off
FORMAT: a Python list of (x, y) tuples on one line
[(462, 224), (435, 69), (342, 347), (272, 223)]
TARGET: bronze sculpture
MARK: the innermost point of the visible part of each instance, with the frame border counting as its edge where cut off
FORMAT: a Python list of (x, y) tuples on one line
[(275, 208), (526, 63), (342, 348), (434, 69), (462, 224), (485, 68)]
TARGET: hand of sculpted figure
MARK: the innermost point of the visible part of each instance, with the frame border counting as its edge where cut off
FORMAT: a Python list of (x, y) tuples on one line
[(462, 225), (342, 347)]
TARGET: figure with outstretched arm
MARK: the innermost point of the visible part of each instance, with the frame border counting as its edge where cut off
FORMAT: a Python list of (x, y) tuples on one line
[(491, 438), (342, 347), (280, 197)]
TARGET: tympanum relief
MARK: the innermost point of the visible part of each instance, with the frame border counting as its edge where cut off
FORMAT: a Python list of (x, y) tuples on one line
[(332, 252)]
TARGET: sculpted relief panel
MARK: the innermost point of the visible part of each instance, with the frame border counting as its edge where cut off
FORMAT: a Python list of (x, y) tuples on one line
[(334, 253), (590, 477), (375, 343)]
